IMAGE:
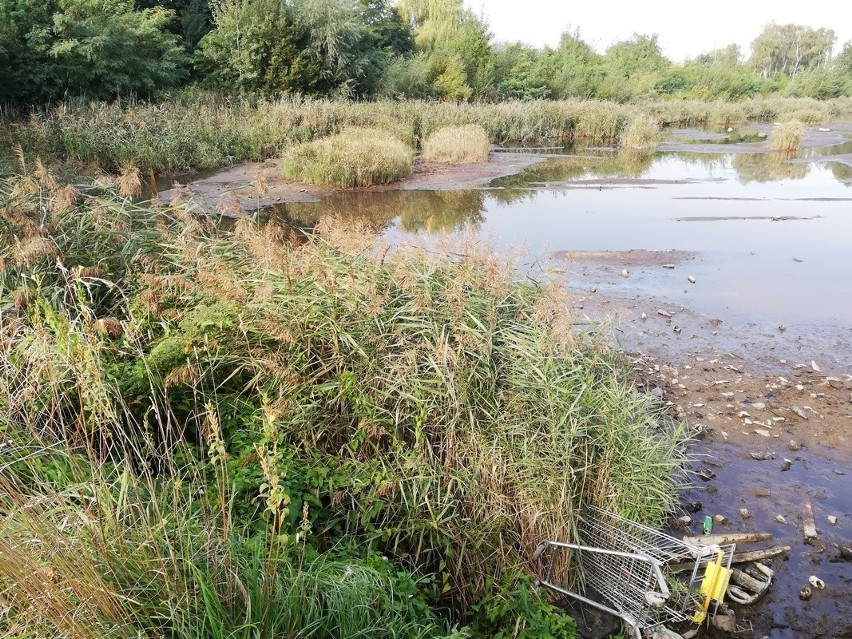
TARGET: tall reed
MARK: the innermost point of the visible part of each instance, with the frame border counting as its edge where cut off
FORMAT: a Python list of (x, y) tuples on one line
[(244, 393)]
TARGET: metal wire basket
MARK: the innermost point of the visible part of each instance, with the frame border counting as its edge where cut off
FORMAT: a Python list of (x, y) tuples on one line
[(625, 568)]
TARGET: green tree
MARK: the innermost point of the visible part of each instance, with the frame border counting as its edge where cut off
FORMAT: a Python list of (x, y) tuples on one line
[(790, 48), (456, 37), (106, 48), (726, 57), (27, 71), (193, 18), (575, 69), (384, 39), (843, 61)]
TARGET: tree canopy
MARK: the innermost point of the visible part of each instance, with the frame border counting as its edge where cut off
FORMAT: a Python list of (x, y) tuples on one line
[(432, 49)]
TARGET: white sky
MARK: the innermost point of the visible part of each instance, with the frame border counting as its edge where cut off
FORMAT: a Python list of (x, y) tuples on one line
[(685, 28)]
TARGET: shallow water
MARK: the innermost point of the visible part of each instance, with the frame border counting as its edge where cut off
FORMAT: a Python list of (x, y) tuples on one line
[(771, 239)]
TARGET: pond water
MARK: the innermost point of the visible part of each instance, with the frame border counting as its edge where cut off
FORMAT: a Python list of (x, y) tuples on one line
[(768, 239)]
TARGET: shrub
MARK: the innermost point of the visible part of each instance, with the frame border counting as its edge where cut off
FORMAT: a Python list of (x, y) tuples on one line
[(354, 157), (787, 137), (467, 144), (642, 132)]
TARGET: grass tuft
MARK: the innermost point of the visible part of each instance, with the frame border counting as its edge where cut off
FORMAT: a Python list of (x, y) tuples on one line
[(641, 132), (354, 157), (467, 144), (787, 137)]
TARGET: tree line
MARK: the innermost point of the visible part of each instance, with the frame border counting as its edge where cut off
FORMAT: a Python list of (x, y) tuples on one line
[(429, 49)]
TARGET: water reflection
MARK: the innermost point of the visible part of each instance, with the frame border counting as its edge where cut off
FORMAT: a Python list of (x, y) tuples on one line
[(630, 164), (429, 211), (767, 167)]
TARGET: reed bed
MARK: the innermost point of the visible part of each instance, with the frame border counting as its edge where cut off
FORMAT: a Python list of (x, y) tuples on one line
[(468, 144), (232, 405), (352, 158), (205, 133)]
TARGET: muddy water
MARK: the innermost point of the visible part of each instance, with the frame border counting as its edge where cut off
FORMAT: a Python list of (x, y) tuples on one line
[(769, 240)]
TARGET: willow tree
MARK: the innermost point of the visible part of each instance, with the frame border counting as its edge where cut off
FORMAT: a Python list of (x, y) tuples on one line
[(458, 45)]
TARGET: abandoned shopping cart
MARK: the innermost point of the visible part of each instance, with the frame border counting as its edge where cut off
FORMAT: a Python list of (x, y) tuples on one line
[(626, 569)]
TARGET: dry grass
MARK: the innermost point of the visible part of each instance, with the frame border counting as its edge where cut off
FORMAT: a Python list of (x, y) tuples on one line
[(467, 144), (787, 137), (355, 157), (642, 132)]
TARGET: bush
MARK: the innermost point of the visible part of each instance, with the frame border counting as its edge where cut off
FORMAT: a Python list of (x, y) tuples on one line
[(787, 137), (354, 157), (467, 144)]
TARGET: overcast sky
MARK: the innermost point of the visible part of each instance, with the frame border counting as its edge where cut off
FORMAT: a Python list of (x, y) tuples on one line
[(685, 28)]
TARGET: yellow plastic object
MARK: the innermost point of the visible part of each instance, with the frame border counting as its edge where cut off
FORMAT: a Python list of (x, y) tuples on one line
[(713, 586)]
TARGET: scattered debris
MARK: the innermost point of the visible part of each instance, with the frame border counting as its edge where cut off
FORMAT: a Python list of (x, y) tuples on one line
[(780, 519), (750, 584), (721, 519), (788, 464), (726, 621), (643, 316), (805, 593), (625, 273), (744, 513), (668, 265), (794, 445), (782, 328), (691, 279), (809, 527), (664, 313), (816, 582), (800, 413), (832, 520), (763, 456), (815, 367)]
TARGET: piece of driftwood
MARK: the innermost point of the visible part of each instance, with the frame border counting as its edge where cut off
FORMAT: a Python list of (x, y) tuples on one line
[(758, 555), (730, 538), (809, 527), (738, 558)]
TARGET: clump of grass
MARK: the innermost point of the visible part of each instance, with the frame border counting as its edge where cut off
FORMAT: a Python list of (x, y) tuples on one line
[(466, 144), (641, 132), (787, 137), (353, 157)]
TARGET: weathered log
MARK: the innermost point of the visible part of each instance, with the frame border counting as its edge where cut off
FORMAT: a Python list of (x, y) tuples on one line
[(730, 538), (738, 558)]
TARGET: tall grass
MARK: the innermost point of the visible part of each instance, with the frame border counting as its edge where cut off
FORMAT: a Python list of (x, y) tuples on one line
[(642, 132), (354, 157), (204, 133), (468, 144), (787, 136), (242, 404)]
